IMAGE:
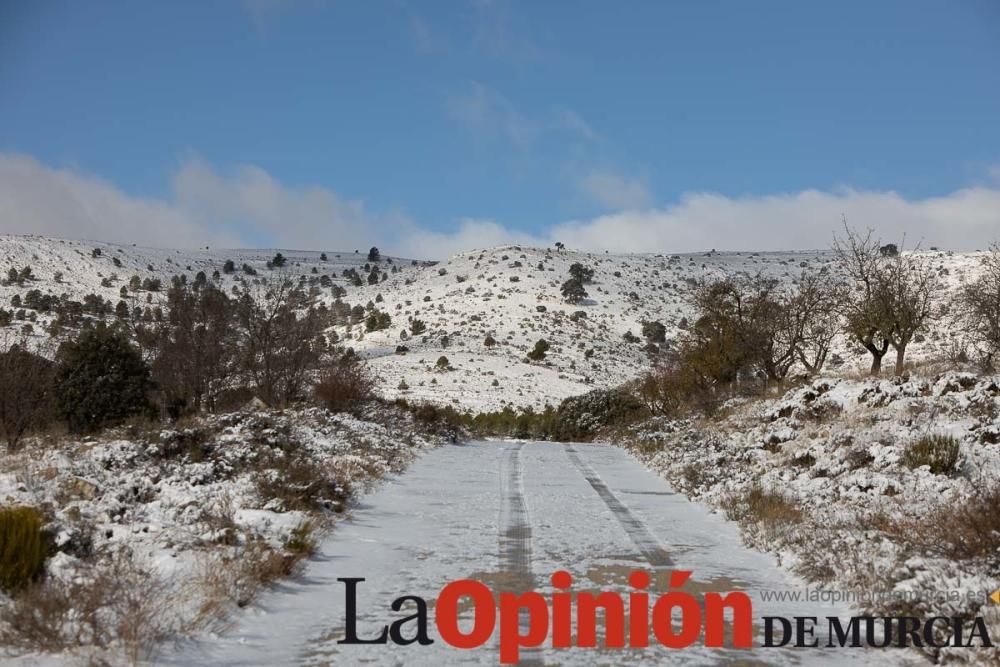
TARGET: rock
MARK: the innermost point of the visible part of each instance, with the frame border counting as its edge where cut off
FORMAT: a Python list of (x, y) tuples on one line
[(255, 404), (78, 488)]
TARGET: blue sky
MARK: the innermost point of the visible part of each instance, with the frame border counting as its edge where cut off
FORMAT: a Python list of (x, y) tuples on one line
[(469, 122)]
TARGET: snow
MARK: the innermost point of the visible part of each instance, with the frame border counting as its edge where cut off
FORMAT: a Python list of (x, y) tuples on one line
[(497, 291), (844, 470), (834, 445), (442, 521)]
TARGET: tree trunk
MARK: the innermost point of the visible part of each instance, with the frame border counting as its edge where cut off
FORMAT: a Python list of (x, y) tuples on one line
[(900, 354), (876, 363)]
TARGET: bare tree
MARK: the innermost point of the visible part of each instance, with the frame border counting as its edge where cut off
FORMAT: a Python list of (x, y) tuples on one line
[(25, 389), (865, 317), (909, 283), (281, 337), (891, 295), (196, 348), (816, 309), (979, 305)]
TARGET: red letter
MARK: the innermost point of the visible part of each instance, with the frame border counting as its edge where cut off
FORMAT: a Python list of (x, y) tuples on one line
[(586, 619), (638, 611), (562, 631), (690, 614), (446, 613), (715, 619), (511, 639)]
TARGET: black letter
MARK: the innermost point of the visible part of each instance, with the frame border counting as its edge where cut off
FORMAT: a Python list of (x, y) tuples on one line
[(909, 631), (979, 630), (396, 631), (930, 639), (786, 631), (852, 626), (351, 613), (802, 630)]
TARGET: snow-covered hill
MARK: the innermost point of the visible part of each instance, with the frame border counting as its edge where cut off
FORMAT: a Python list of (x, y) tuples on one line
[(509, 293)]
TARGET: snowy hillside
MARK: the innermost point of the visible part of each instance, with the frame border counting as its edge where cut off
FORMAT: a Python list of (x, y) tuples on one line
[(511, 294)]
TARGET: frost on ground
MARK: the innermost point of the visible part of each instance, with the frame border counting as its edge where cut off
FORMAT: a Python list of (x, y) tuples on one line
[(509, 294), (164, 532), (837, 478)]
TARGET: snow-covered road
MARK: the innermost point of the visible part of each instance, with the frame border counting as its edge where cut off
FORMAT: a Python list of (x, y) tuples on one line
[(508, 514)]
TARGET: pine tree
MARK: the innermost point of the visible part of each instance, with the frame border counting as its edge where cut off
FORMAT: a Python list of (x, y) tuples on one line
[(100, 380)]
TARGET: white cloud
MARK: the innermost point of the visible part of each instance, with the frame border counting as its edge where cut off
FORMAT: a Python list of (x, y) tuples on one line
[(471, 233), (500, 33), (488, 115), (615, 191), (965, 219), (571, 121), (420, 32), (245, 207), (37, 199), (248, 207)]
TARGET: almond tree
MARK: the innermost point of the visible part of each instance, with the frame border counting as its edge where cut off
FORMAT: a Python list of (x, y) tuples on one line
[(864, 317), (909, 284), (889, 295), (817, 308), (979, 306)]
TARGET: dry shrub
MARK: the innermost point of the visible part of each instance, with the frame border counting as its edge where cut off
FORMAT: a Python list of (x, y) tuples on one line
[(939, 452), (23, 547), (759, 505), (220, 518), (301, 541), (675, 388), (301, 483), (116, 604), (969, 531), (235, 579), (345, 385)]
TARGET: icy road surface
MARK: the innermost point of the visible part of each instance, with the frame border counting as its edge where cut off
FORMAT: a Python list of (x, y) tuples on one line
[(509, 514)]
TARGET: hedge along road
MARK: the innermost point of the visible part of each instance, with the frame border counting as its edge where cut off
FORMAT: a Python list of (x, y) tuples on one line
[(509, 514)]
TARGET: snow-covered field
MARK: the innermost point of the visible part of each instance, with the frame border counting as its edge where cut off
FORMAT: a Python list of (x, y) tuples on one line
[(451, 517), (200, 516), (852, 515), (189, 502), (510, 293)]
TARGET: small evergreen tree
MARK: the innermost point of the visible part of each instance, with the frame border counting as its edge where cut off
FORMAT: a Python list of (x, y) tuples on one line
[(538, 352), (573, 291), (584, 274), (654, 332), (100, 380)]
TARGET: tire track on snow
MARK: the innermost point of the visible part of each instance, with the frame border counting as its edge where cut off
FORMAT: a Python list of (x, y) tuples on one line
[(637, 531)]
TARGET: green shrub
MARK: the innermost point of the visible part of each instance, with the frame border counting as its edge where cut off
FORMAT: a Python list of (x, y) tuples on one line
[(538, 352), (939, 452), (100, 380), (581, 417), (22, 547)]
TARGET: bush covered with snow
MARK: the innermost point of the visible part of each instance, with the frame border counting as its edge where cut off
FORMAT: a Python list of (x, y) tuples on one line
[(882, 488)]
